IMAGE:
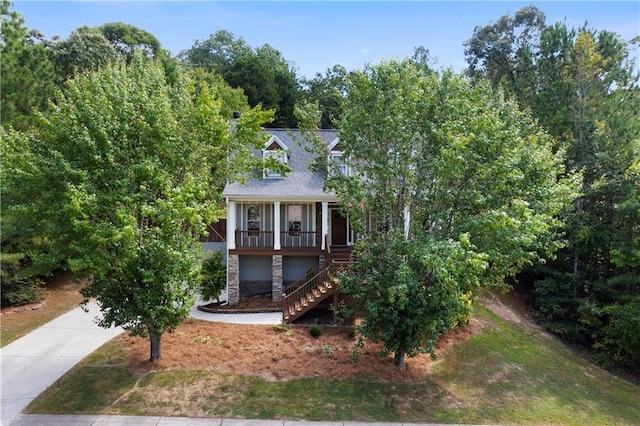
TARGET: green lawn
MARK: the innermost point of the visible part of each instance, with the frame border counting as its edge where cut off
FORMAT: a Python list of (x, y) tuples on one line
[(503, 375)]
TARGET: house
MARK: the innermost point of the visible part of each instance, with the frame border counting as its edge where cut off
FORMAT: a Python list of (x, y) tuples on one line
[(282, 230)]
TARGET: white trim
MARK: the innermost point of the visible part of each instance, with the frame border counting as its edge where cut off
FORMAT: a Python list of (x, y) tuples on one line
[(277, 140), (231, 225), (289, 198), (276, 225), (313, 220), (268, 174), (325, 222)]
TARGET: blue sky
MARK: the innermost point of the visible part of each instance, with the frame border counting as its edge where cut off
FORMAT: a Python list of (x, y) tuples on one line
[(315, 35)]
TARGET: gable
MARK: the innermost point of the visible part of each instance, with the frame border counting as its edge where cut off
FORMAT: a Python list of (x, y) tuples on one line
[(335, 145), (274, 144), (338, 147), (273, 147)]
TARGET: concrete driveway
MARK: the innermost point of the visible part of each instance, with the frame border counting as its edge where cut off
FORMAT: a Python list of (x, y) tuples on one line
[(32, 363)]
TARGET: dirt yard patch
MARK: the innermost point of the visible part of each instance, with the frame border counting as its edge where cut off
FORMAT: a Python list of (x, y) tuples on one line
[(509, 308), (264, 351), (61, 294), (275, 354)]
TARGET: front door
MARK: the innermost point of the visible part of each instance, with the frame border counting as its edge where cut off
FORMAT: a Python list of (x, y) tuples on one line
[(338, 229)]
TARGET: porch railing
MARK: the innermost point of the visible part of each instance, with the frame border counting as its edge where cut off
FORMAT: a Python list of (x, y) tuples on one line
[(298, 239), (257, 239), (264, 239)]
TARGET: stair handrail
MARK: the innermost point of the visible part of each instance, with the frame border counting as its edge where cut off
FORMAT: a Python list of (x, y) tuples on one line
[(289, 301), (293, 286)]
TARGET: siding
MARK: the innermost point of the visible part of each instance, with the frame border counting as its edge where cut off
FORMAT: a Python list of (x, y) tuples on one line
[(296, 267), (266, 215), (255, 268), (308, 216)]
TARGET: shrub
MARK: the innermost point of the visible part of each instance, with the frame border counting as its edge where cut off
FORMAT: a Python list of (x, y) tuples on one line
[(351, 333), (285, 328), (18, 287), (316, 330), (310, 350), (213, 276), (327, 349)]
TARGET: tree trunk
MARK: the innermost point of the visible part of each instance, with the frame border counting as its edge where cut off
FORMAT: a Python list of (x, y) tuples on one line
[(398, 359), (155, 338)]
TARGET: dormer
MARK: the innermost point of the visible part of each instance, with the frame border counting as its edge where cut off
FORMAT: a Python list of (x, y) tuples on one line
[(336, 157), (274, 149)]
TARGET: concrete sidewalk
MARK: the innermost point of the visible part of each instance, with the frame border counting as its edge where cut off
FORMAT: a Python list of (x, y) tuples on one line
[(32, 363)]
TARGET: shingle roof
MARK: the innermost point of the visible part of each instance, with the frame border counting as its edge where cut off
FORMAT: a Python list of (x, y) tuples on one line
[(301, 182)]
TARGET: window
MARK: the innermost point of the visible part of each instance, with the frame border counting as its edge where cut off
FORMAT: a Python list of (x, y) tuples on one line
[(278, 155), (274, 149), (294, 214), (253, 220), (340, 165)]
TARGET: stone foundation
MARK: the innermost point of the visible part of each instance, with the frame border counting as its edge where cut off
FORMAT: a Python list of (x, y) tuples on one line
[(276, 285), (233, 275)]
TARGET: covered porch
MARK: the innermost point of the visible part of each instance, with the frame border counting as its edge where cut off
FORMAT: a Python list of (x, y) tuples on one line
[(285, 226)]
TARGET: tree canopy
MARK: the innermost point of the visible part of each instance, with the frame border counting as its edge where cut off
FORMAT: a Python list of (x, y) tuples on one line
[(580, 84), (265, 76), (127, 39), (328, 91), (85, 49), (132, 167), (453, 187), (27, 81)]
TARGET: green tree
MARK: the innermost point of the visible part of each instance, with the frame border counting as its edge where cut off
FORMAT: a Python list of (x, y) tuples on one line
[(328, 92), (27, 81), (265, 76), (127, 39), (503, 52), (85, 49), (132, 166), (424, 148), (232, 100), (24, 233), (217, 53), (213, 273), (581, 86)]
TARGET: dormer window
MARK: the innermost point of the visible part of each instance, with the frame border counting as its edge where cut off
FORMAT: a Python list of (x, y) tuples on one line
[(338, 163), (275, 150)]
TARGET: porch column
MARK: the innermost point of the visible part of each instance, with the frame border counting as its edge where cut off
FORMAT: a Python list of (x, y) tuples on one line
[(276, 271), (231, 225), (325, 222), (276, 225), (233, 279)]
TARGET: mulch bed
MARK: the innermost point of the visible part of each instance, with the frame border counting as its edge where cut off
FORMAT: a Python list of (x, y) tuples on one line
[(254, 304)]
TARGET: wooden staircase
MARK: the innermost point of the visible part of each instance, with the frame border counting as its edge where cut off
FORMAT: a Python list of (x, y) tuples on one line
[(308, 295), (309, 292)]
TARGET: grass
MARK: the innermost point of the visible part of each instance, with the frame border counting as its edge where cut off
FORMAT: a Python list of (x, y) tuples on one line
[(509, 376), (59, 299), (503, 375)]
